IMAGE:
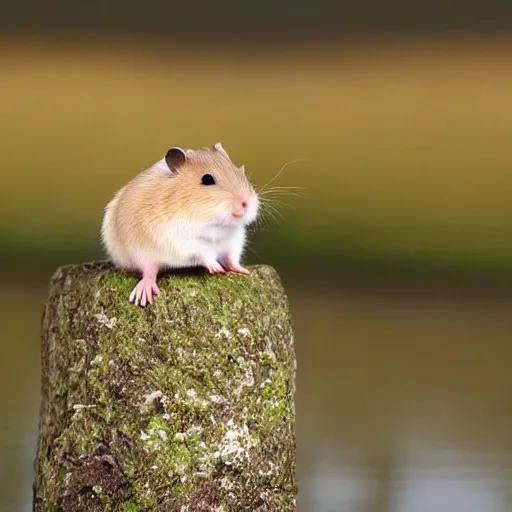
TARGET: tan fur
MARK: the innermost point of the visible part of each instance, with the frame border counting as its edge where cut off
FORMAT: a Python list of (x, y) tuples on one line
[(141, 214)]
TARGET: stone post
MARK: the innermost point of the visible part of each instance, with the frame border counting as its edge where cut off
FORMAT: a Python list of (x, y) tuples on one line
[(186, 405)]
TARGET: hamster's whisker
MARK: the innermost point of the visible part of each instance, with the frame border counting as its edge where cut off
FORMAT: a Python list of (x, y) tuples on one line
[(286, 187), (250, 248), (262, 222), (268, 213), (270, 193), (282, 191), (272, 212), (273, 201), (269, 201), (280, 188), (281, 170)]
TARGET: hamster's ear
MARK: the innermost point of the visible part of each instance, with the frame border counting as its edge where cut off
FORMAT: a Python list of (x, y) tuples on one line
[(242, 168), (221, 149), (175, 158)]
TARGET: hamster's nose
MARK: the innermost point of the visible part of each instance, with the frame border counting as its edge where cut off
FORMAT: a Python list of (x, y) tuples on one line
[(240, 208)]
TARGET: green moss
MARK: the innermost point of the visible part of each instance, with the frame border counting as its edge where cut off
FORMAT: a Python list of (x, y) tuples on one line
[(191, 398), (103, 499), (119, 282), (131, 506)]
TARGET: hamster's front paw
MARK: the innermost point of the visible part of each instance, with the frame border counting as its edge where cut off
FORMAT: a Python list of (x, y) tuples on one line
[(234, 266), (214, 267), (143, 292)]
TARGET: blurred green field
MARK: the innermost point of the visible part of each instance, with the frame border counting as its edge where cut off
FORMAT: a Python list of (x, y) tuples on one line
[(408, 144), (409, 170)]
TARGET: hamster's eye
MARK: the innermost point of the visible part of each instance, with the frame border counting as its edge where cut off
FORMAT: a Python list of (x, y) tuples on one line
[(208, 179)]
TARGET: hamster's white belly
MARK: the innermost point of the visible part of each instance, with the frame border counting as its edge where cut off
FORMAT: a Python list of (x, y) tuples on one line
[(188, 245)]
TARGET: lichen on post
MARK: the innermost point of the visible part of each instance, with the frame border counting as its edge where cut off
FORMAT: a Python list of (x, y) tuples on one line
[(186, 405)]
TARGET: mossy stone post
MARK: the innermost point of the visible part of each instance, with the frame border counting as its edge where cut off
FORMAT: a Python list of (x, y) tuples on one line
[(186, 405)]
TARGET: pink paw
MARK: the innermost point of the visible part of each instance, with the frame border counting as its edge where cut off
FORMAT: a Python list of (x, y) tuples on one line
[(215, 268), (143, 292), (236, 267)]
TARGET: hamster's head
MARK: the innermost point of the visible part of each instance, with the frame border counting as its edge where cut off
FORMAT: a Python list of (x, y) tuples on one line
[(211, 188)]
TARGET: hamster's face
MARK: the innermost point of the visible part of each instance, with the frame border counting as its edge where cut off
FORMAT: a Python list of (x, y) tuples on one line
[(217, 191)]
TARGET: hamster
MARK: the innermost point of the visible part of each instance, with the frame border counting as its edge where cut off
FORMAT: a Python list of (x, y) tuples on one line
[(189, 209)]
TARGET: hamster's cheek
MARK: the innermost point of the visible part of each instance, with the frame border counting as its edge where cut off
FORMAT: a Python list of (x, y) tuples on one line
[(221, 212)]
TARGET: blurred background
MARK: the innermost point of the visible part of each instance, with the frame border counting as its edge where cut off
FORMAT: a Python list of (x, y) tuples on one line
[(397, 256)]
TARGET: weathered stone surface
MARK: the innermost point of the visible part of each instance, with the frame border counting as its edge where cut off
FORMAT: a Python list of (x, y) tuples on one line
[(186, 405)]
